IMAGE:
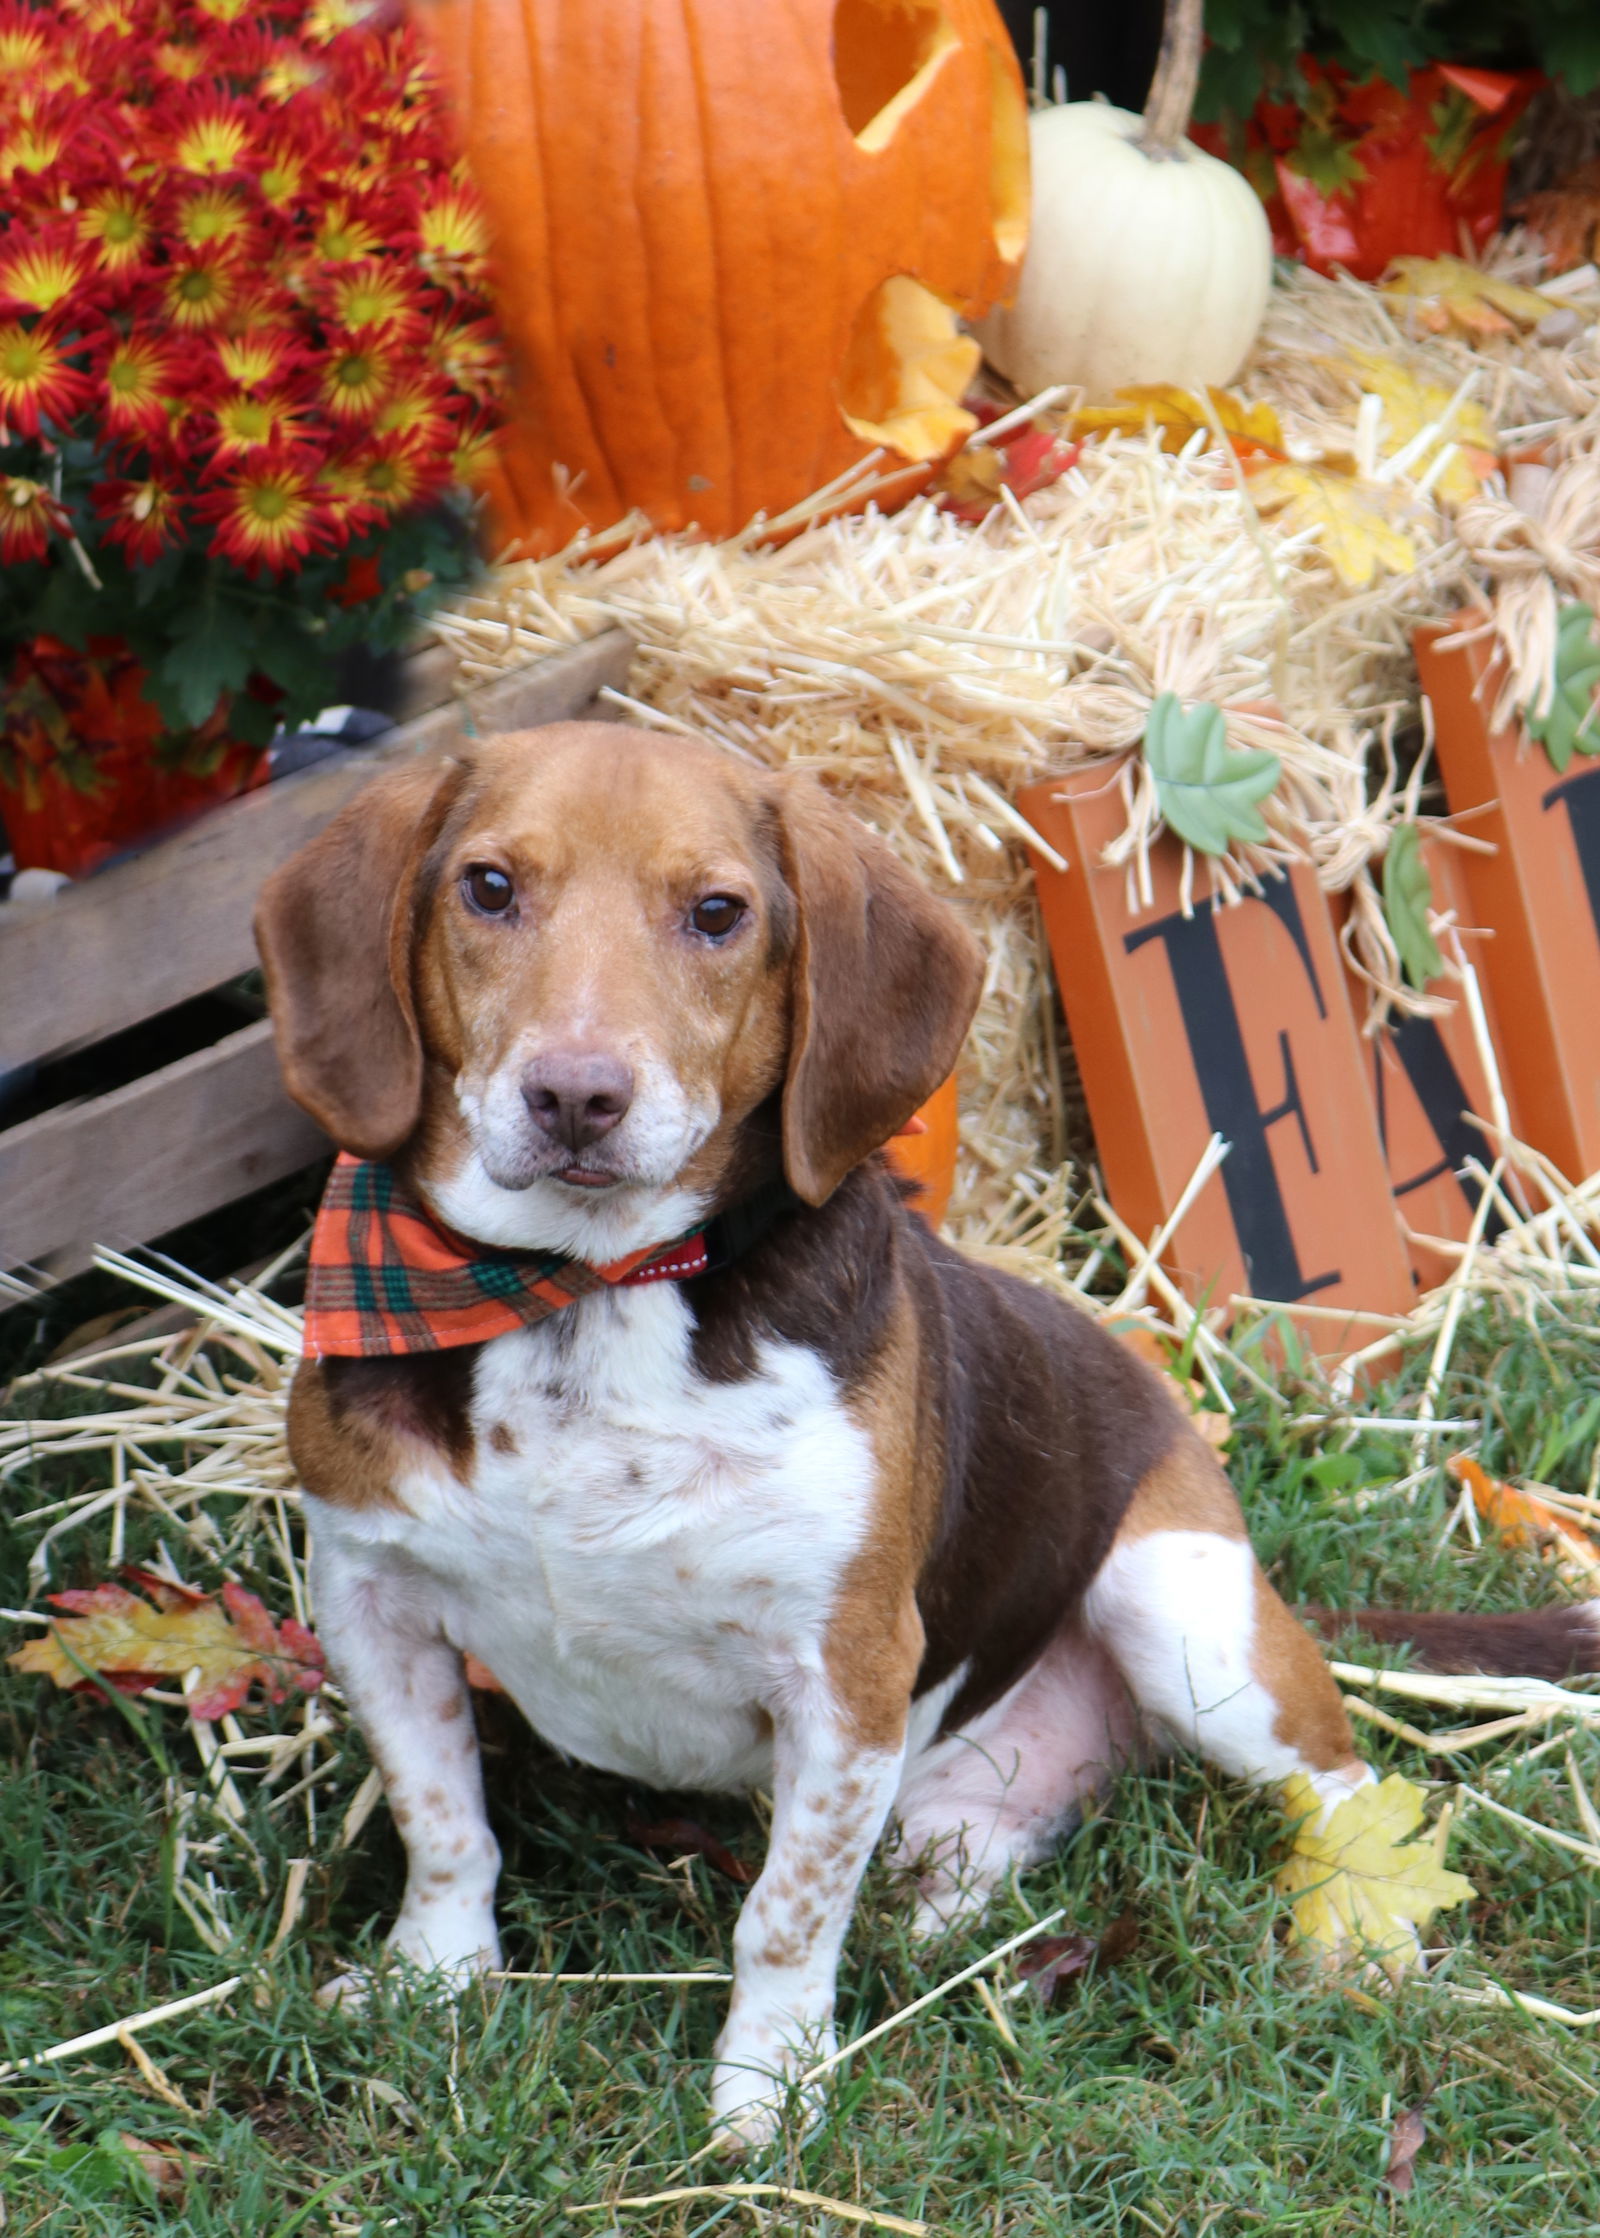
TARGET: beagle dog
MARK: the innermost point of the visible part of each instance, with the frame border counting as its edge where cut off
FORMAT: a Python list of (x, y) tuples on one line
[(799, 1499)]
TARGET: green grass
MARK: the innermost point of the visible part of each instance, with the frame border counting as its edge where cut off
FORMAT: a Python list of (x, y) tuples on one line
[(1207, 2086)]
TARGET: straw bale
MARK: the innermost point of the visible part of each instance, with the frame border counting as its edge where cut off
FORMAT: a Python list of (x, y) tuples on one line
[(925, 668)]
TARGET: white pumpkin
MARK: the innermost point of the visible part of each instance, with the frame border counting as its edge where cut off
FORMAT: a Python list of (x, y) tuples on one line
[(1147, 259)]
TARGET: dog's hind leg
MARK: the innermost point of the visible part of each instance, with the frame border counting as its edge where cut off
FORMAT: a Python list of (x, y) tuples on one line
[(998, 1793), (1211, 1656)]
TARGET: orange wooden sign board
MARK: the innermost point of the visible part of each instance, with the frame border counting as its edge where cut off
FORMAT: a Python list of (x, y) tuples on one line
[(1425, 1077), (1540, 890), (1233, 1021)]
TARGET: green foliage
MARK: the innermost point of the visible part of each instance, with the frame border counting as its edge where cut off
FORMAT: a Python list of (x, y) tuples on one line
[(1571, 723), (1207, 789), (1407, 898), (1254, 43)]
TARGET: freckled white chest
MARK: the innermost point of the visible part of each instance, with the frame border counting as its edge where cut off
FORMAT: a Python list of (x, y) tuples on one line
[(645, 1559)]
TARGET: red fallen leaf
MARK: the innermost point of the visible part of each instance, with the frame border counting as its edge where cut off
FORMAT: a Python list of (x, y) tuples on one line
[(685, 1837), (134, 1644), (1055, 1959), (1405, 2142), (1033, 458)]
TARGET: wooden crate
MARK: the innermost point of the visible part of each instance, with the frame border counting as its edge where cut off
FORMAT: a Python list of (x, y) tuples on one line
[(173, 923)]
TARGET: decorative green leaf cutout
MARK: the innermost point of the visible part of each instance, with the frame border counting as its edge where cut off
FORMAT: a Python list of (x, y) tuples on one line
[(1407, 897), (1571, 724), (1207, 789)]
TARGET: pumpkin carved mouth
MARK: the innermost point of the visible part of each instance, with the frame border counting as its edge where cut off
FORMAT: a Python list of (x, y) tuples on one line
[(905, 371)]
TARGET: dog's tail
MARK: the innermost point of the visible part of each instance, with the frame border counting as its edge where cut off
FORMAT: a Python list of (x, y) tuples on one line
[(1549, 1643)]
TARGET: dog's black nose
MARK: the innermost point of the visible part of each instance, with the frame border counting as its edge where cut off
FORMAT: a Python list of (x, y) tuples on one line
[(577, 1095)]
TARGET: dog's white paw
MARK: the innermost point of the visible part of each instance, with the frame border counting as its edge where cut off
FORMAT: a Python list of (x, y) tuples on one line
[(753, 2096), (426, 1970)]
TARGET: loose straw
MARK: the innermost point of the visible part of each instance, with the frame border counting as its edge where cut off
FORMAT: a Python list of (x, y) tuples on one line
[(120, 2028)]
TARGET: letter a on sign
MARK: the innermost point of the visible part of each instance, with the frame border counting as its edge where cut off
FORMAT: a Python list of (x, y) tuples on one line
[(1230, 1021)]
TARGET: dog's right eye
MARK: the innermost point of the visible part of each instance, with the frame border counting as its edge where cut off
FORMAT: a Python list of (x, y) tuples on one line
[(489, 891)]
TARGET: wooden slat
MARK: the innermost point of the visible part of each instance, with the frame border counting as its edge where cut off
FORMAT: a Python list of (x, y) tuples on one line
[(176, 919), (130, 1165)]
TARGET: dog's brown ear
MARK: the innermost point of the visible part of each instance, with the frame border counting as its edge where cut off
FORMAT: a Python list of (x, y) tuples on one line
[(335, 928), (886, 979)]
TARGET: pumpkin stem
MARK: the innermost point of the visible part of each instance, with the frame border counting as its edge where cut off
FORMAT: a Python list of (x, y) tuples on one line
[(1172, 89)]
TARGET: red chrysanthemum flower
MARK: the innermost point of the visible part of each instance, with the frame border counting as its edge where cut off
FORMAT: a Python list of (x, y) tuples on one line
[(454, 235), (200, 290), (24, 46), (28, 515), (143, 517), (393, 477), (344, 234), (215, 137), (213, 217), (178, 59), (259, 355), (375, 296), (474, 453), (417, 410), (241, 424), (325, 19), (118, 220), (41, 270), (358, 376), (36, 380), (141, 376), (467, 353), (289, 72), (270, 515)]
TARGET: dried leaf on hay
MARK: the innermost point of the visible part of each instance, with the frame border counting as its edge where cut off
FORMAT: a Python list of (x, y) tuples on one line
[(1520, 1518), (1445, 292), (1251, 430), (133, 1643), (1360, 1884), (1413, 403), (1350, 520)]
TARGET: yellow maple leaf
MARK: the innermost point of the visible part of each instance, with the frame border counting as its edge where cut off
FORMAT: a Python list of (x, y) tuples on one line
[(1360, 1884), (1178, 412), (1440, 292), (1350, 520), (1410, 404)]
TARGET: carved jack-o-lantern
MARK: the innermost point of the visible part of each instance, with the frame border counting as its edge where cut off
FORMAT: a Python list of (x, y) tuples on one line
[(732, 241)]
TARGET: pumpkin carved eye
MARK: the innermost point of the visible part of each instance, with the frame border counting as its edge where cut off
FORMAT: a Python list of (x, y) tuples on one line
[(488, 891), (717, 915)]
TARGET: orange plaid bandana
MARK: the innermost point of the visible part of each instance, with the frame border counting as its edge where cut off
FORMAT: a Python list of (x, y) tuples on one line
[(386, 1278)]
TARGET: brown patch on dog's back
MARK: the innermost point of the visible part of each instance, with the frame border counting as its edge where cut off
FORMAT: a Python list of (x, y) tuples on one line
[(1185, 1491)]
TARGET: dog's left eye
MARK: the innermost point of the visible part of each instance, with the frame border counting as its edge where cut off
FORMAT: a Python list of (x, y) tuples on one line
[(717, 915)]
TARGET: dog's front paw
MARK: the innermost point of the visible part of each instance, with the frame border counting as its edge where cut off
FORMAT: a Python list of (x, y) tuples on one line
[(753, 2094), (427, 1966)]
